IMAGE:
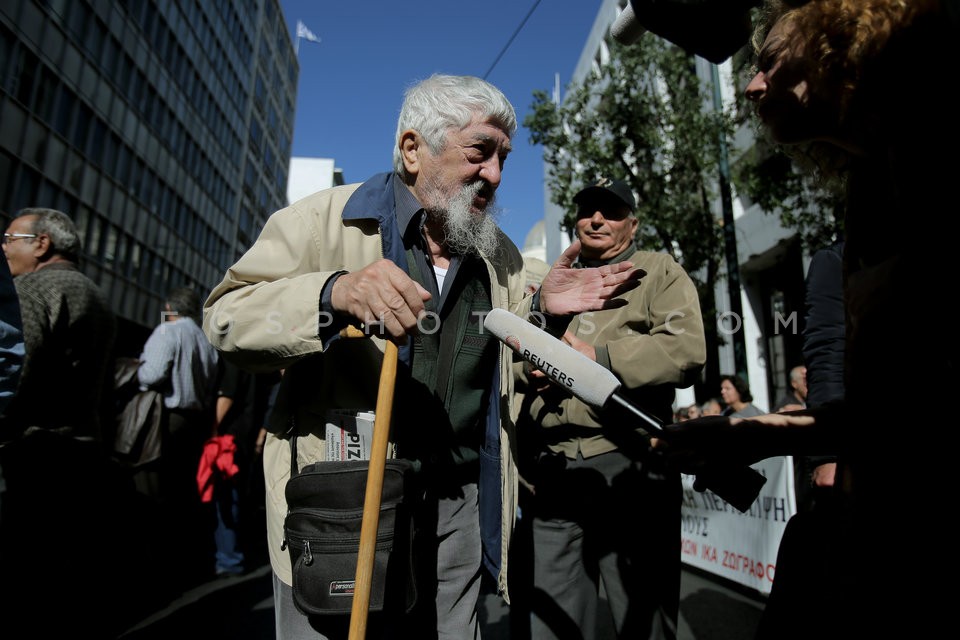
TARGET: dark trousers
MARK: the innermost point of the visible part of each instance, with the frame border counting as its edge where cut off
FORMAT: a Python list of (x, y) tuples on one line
[(581, 540), (188, 526)]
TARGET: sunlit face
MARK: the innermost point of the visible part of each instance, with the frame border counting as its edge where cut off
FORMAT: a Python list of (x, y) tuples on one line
[(782, 90), (473, 154), (729, 393), (605, 228), (21, 252)]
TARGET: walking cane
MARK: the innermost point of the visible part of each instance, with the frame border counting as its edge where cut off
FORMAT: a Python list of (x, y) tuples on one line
[(371, 500)]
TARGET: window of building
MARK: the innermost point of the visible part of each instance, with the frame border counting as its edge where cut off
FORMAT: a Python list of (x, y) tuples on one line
[(95, 141), (44, 99), (124, 163), (35, 142), (110, 58), (110, 245), (81, 127), (94, 235), (81, 219), (93, 38), (78, 19), (7, 165), (47, 193), (8, 43), (24, 69), (133, 266), (27, 186)]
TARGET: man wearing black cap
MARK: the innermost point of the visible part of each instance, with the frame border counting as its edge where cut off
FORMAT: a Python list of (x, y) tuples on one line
[(594, 476)]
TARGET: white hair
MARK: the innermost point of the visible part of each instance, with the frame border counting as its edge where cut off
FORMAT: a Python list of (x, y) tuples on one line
[(441, 102)]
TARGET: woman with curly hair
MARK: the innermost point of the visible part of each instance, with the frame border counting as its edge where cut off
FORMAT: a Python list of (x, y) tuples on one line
[(864, 87)]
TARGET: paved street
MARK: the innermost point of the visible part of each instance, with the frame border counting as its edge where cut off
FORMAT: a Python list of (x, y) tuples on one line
[(241, 608)]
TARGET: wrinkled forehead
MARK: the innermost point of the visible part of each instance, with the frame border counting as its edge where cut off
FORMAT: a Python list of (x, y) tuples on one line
[(484, 131), (485, 124)]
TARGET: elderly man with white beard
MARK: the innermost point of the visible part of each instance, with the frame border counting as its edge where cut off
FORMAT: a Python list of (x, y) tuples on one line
[(413, 256)]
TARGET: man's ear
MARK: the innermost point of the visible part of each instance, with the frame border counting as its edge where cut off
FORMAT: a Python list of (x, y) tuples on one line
[(42, 247), (409, 150)]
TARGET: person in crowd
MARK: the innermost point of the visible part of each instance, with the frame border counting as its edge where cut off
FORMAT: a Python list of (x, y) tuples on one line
[(68, 328), (11, 347), (690, 413), (824, 337), (712, 407), (416, 245), (807, 552), (737, 398), (221, 465), (796, 398), (590, 465), (241, 409), (11, 336), (180, 363), (838, 81), (60, 490)]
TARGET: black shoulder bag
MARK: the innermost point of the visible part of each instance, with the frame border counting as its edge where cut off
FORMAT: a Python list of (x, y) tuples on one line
[(322, 533)]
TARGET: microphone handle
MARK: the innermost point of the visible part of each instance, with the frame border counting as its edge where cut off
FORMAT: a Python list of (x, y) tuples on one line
[(738, 485)]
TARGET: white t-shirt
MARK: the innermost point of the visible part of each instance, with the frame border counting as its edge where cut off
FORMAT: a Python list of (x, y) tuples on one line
[(441, 275)]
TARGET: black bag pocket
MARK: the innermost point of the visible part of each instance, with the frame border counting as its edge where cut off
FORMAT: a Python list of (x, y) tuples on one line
[(322, 535)]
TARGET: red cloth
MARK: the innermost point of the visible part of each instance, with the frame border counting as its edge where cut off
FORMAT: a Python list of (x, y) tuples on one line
[(216, 462)]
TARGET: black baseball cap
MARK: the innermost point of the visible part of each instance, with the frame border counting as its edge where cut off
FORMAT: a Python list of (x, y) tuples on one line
[(607, 189)]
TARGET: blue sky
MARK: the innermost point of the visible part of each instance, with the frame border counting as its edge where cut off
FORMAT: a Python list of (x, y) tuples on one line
[(352, 82)]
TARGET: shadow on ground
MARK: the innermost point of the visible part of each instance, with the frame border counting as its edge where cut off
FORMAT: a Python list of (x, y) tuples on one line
[(718, 616), (197, 609)]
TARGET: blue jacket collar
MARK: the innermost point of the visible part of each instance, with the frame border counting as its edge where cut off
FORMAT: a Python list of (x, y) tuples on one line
[(372, 200)]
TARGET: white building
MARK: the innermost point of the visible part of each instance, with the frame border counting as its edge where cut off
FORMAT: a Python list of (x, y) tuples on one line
[(309, 175)]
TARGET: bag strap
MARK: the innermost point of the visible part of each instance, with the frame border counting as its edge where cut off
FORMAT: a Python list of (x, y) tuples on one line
[(293, 456)]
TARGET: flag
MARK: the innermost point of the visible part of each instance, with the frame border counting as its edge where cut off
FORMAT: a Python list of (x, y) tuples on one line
[(306, 34)]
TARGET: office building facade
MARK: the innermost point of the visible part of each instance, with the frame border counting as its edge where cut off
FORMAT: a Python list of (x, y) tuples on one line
[(163, 129)]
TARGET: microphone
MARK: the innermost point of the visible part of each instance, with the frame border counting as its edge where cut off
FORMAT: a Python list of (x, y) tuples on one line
[(625, 29), (596, 386), (711, 29)]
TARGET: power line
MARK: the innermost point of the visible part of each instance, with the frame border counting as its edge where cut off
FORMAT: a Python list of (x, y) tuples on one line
[(510, 41)]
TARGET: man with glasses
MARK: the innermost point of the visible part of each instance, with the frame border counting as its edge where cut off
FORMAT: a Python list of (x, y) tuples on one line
[(68, 328), (591, 469), (58, 485)]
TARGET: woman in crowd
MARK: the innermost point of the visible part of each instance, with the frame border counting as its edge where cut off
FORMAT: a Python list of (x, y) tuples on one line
[(861, 88)]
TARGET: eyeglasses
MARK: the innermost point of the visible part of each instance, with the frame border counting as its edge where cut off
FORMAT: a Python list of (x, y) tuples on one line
[(10, 237)]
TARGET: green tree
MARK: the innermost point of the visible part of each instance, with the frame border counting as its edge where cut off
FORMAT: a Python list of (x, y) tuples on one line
[(646, 118), (643, 119)]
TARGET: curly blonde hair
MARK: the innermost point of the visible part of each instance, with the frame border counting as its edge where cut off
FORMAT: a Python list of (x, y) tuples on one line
[(844, 41)]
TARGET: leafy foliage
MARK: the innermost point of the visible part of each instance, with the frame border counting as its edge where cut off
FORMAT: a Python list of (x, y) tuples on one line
[(646, 118), (642, 120), (776, 181)]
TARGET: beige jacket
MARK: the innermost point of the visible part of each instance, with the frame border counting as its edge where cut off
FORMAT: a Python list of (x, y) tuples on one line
[(264, 316)]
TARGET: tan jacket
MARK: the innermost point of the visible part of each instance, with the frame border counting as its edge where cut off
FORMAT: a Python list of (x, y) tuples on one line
[(654, 345), (264, 315)]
